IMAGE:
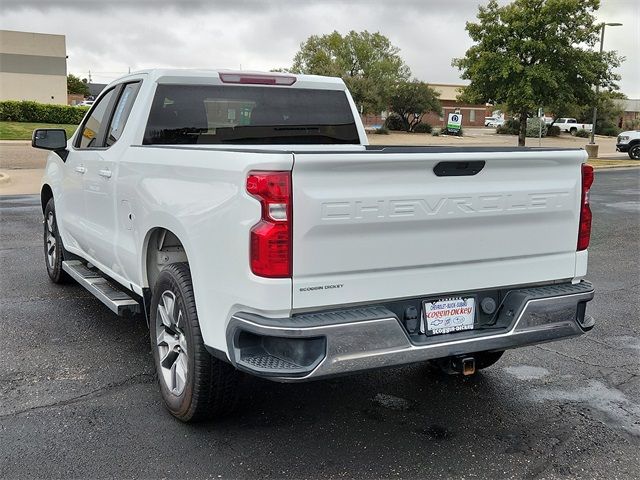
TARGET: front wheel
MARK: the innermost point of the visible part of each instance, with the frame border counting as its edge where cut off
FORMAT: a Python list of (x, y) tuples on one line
[(53, 249), (634, 152), (193, 384)]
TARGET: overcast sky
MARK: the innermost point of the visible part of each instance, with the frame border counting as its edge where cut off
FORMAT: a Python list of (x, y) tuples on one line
[(111, 37)]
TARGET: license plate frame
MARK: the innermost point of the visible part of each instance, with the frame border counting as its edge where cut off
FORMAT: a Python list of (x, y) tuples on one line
[(441, 316)]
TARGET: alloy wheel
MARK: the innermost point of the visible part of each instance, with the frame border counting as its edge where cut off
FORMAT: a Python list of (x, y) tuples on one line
[(52, 242), (171, 343)]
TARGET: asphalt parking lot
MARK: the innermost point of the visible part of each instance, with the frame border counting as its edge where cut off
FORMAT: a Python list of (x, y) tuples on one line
[(78, 396)]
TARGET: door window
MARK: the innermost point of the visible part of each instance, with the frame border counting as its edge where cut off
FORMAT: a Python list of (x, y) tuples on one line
[(93, 127), (121, 112)]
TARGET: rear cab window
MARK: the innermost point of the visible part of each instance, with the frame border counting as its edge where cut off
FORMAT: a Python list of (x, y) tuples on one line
[(262, 115), (121, 112)]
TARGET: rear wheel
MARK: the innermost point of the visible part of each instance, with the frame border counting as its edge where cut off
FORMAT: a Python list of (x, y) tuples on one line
[(573, 131), (194, 385), (634, 152), (52, 243)]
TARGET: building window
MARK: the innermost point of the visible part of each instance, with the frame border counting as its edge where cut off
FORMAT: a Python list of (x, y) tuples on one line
[(472, 116)]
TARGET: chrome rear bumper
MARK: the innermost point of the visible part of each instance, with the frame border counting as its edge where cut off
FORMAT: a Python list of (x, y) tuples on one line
[(318, 345)]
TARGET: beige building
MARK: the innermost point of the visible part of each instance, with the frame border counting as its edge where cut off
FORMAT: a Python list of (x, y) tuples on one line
[(33, 66), (472, 115)]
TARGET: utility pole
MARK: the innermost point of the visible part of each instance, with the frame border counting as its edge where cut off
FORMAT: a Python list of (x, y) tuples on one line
[(595, 106)]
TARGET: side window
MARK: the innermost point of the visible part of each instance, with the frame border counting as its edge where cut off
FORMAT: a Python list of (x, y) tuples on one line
[(121, 112), (91, 128)]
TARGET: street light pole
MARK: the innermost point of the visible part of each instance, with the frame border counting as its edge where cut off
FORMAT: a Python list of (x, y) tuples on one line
[(595, 105)]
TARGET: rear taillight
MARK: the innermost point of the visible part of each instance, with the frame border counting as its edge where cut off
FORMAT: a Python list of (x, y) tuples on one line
[(270, 239), (584, 231)]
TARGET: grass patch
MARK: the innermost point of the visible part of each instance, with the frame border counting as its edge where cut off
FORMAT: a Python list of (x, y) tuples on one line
[(601, 163), (24, 130)]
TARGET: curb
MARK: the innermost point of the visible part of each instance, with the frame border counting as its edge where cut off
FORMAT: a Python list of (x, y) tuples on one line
[(4, 178), (617, 167)]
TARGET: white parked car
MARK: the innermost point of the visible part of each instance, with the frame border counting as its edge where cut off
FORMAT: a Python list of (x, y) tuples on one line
[(571, 125), (629, 142), (493, 121), (246, 217), (85, 103)]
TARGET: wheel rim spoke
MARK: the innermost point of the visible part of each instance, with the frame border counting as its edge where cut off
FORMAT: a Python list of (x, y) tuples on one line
[(171, 343), (164, 339), (179, 373)]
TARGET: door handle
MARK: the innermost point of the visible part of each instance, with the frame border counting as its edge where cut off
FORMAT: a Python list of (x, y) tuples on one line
[(81, 169), (105, 173)]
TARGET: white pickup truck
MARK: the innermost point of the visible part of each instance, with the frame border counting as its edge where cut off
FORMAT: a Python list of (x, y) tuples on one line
[(245, 216), (571, 125)]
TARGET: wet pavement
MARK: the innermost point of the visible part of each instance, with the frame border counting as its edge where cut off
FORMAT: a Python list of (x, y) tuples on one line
[(78, 396)]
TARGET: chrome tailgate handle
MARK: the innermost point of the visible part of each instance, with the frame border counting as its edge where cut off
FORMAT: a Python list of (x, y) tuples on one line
[(81, 169)]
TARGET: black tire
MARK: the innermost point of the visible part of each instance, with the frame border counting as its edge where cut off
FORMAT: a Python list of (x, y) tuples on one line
[(634, 152), (53, 247), (483, 360), (573, 131), (209, 387)]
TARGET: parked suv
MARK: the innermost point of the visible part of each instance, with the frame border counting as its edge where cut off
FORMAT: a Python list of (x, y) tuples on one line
[(629, 142)]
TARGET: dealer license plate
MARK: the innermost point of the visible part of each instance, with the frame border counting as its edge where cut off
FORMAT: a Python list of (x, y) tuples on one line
[(448, 315)]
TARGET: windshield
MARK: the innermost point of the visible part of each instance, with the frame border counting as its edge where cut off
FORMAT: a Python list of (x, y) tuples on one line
[(204, 114)]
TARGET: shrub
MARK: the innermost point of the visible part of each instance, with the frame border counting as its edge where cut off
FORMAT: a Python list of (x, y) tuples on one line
[(423, 128), (533, 127), (382, 131), (582, 133), (609, 130), (27, 111), (510, 127), (394, 122), (632, 124), (553, 131), (455, 133), (607, 127), (436, 132)]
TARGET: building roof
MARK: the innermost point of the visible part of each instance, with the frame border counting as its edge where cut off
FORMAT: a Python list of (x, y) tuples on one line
[(629, 104), (447, 91)]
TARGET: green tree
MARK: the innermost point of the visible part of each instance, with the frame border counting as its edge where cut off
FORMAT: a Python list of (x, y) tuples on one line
[(368, 63), (412, 100), (534, 53), (608, 115), (77, 86)]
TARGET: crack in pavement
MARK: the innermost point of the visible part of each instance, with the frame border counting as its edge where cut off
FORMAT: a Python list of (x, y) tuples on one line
[(581, 360), (92, 394)]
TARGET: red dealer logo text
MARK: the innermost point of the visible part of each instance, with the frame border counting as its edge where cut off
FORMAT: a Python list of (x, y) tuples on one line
[(449, 312)]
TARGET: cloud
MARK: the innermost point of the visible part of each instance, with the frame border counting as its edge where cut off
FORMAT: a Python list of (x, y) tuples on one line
[(111, 37)]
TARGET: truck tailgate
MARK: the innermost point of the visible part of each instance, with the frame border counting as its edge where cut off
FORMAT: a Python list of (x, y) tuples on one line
[(376, 225)]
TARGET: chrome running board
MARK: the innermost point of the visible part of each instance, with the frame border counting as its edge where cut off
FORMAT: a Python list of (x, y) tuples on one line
[(119, 301)]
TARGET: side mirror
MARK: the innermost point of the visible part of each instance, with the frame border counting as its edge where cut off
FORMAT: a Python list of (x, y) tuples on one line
[(51, 139)]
